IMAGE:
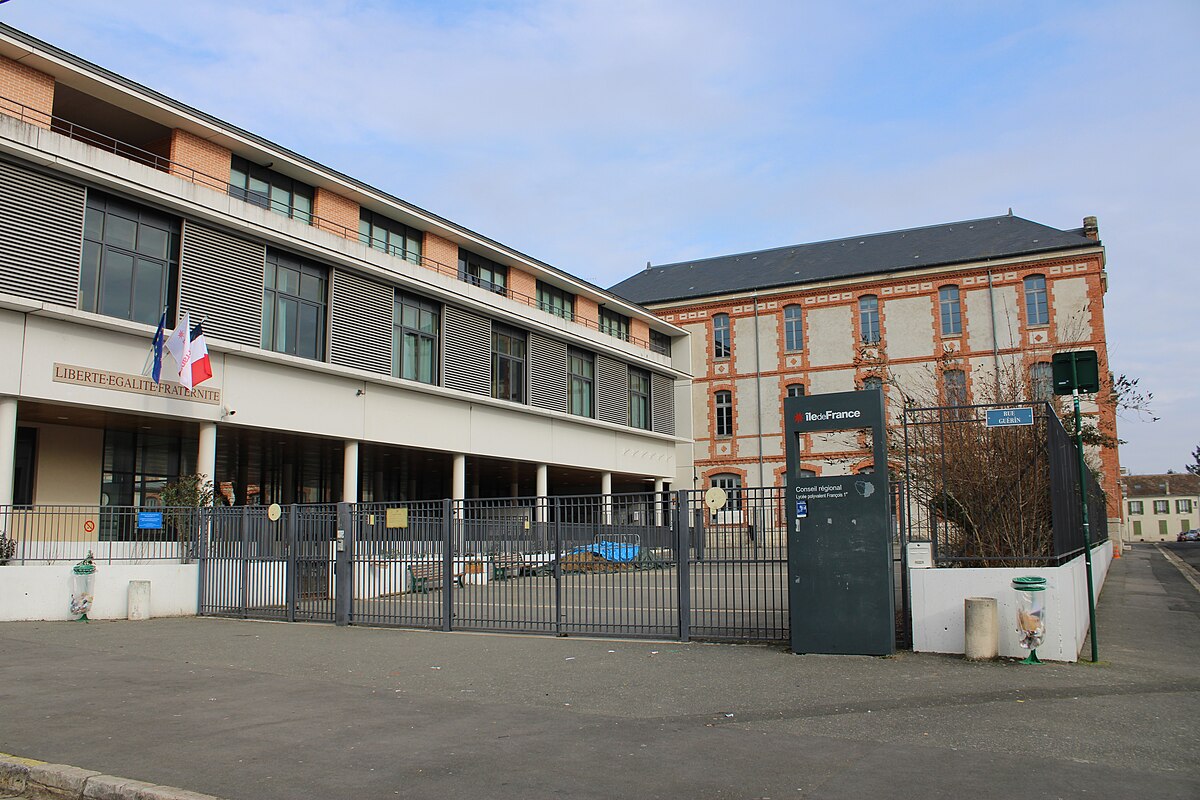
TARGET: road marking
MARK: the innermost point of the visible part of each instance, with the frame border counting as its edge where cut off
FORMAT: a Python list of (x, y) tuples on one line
[(1185, 569)]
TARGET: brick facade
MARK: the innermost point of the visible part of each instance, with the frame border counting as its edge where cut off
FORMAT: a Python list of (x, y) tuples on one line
[(587, 312), (1076, 321), (639, 331), (441, 254), (199, 160), (26, 93), (522, 285), (335, 213)]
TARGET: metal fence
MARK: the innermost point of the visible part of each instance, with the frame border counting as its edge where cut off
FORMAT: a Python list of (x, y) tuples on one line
[(32, 535), (994, 496)]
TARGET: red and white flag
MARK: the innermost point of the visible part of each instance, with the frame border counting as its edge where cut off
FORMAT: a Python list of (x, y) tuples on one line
[(179, 344), (201, 367)]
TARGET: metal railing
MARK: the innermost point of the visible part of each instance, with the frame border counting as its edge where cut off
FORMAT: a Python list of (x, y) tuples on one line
[(112, 534), (156, 161)]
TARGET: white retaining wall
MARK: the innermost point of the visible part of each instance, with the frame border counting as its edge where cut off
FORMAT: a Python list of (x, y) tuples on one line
[(938, 595), (44, 592)]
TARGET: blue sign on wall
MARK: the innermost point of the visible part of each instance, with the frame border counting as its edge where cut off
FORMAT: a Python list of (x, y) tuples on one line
[(801, 508), (999, 417), (149, 520)]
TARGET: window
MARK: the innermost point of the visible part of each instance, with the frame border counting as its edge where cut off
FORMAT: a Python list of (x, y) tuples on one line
[(24, 463), (660, 343), (1135, 506), (951, 309), (956, 387), (294, 298), (793, 328), (732, 484), (795, 390), (614, 324), (1183, 506), (868, 318), (724, 404), (639, 399), (555, 301), (581, 383), (1162, 507), (482, 272), (137, 465), (415, 338), (269, 189), (1041, 381), (130, 260), (508, 364), (399, 240), (873, 382), (721, 348), (1037, 309)]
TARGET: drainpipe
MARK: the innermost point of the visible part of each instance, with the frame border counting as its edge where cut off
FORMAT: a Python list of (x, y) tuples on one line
[(758, 390), (995, 340)]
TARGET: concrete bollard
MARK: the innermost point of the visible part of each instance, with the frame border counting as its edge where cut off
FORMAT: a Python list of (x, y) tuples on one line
[(981, 619), (139, 599)]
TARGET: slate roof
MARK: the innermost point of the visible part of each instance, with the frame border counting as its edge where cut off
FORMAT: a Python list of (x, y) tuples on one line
[(949, 243), (1181, 483)]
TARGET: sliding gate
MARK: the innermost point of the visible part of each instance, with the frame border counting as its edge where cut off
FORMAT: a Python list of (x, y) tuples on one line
[(638, 565)]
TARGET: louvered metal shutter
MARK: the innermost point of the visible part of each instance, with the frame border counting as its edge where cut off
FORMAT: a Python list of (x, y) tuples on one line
[(467, 352), (612, 391), (547, 373), (360, 333), (662, 404), (41, 236), (221, 277)]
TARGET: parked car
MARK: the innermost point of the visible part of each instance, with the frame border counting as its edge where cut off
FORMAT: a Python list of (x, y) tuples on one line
[(1188, 536)]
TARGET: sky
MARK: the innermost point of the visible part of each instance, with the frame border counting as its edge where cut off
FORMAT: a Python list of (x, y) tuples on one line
[(598, 136)]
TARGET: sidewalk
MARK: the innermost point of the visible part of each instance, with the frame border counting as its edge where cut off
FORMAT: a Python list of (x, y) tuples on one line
[(261, 710)]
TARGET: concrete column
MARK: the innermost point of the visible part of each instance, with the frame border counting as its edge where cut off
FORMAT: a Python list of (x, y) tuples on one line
[(659, 501), (8, 448), (981, 628), (206, 454), (543, 490), (606, 490), (458, 483), (350, 471)]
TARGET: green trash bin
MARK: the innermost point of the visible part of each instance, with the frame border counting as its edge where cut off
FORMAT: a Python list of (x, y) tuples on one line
[(1031, 614)]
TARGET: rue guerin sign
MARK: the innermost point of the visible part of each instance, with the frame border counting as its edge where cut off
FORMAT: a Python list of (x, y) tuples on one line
[(138, 384)]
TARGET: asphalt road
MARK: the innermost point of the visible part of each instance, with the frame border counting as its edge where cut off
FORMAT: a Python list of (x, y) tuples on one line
[(1188, 551), (268, 711)]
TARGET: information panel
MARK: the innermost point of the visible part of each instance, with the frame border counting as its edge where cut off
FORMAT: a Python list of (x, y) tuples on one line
[(840, 584)]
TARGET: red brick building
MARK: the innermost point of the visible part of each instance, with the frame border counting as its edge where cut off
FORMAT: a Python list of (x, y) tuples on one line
[(938, 314)]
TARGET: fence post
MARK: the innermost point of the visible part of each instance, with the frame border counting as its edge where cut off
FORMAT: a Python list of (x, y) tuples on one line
[(343, 581), (558, 612), (202, 560), (292, 577), (448, 522), (683, 559), (245, 559)]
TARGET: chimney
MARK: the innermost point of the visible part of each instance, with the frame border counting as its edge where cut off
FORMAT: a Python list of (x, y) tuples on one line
[(1091, 228)]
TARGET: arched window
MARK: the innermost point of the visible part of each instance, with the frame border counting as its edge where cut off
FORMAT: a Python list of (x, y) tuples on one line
[(868, 318), (721, 339), (1037, 305), (951, 310), (795, 390), (793, 328), (955, 384), (724, 407), (732, 484), (1041, 381)]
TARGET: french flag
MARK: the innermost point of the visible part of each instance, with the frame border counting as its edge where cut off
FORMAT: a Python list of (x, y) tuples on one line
[(200, 368)]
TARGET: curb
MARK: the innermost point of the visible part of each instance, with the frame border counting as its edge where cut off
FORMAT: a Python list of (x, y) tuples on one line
[(37, 780)]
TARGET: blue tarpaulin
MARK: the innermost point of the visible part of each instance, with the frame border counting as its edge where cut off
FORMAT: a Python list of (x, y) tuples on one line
[(611, 551)]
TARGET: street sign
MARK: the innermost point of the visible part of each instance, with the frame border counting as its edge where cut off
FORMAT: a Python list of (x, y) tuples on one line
[(1001, 417), (801, 508), (1075, 369)]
